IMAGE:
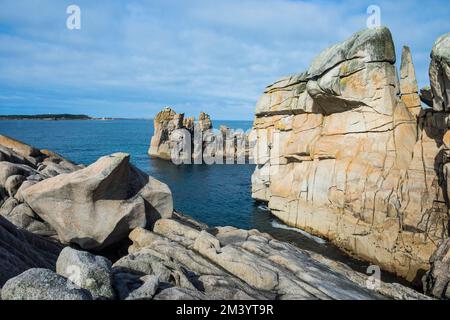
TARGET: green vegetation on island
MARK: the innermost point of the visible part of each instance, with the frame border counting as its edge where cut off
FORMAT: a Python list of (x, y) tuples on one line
[(46, 117)]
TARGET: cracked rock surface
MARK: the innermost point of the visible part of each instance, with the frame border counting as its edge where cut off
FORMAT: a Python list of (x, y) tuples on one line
[(344, 150)]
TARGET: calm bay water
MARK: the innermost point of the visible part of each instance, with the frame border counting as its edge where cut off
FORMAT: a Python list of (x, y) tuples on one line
[(217, 195)]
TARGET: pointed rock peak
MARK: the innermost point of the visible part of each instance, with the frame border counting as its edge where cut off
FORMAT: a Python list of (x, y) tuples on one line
[(408, 83), (407, 71)]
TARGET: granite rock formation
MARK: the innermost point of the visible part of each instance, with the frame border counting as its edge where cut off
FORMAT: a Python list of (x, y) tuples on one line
[(98, 206), (179, 260), (90, 272), (190, 141), (437, 280), (344, 151), (440, 73), (169, 127), (22, 166), (409, 88)]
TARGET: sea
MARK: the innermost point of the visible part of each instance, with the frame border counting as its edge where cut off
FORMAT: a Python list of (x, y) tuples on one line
[(218, 195)]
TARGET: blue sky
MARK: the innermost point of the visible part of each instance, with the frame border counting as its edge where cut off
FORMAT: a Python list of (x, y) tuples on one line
[(132, 58)]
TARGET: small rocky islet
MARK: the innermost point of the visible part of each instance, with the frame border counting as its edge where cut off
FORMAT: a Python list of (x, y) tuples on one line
[(357, 160)]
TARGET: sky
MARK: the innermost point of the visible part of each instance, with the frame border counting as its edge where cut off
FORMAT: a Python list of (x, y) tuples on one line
[(132, 58)]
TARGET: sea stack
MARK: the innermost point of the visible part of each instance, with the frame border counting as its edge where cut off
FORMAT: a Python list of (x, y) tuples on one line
[(345, 151), (167, 124), (184, 140)]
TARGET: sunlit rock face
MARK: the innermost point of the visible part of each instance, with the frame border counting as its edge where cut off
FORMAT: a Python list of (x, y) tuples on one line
[(344, 153)]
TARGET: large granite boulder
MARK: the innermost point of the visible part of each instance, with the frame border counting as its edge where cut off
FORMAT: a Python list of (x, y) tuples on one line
[(87, 271), (440, 73), (21, 250), (42, 284), (22, 166), (343, 152), (99, 205)]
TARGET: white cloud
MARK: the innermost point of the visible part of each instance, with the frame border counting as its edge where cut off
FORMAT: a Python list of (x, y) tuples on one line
[(134, 57)]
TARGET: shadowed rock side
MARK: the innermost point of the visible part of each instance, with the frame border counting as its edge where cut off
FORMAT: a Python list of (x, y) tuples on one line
[(437, 280), (345, 151), (21, 250), (178, 258)]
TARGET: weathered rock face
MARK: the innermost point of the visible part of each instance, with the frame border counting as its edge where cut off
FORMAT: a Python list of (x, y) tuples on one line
[(99, 205), (340, 155), (440, 73)]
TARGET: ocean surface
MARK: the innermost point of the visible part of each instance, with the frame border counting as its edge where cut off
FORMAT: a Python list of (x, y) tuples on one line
[(217, 195)]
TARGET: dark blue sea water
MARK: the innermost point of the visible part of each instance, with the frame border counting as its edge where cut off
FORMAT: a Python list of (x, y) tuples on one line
[(217, 195)]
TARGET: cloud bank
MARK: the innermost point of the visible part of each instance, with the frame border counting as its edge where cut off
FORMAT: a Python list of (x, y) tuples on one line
[(131, 58)]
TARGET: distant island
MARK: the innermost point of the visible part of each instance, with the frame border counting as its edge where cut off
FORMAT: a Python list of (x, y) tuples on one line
[(46, 117)]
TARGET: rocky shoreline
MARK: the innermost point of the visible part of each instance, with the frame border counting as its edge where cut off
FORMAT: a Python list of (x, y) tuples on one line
[(59, 221), (346, 151)]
